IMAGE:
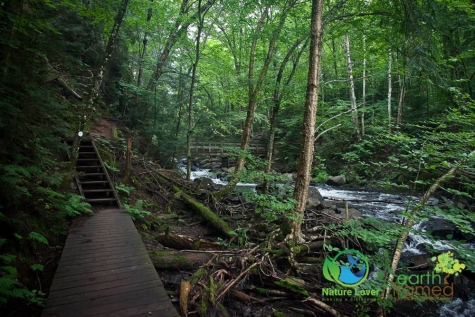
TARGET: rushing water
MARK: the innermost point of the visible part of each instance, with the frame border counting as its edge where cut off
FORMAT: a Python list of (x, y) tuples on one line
[(388, 207)]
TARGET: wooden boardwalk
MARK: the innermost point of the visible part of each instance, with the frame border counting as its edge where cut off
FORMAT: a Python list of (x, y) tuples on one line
[(105, 270)]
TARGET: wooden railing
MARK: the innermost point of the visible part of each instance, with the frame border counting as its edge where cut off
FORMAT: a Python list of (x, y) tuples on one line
[(222, 148)]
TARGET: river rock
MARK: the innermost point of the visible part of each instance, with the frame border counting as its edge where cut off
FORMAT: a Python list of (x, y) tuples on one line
[(204, 183), (439, 228), (340, 213), (337, 180), (416, 261), (314, 198)]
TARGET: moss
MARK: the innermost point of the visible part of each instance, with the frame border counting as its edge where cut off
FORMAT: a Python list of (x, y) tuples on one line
[(285, 228), (197, 275), (212, 290), (292, 285), (203, 307), (156, 256), (261, 290), (278, 314), (277, 252), (180, 261), (196, 244), (206, 213)]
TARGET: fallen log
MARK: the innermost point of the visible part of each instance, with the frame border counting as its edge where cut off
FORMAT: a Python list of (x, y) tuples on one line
[(313, 246), (366, 200), (178, 259), (206, 213), (181, 242)]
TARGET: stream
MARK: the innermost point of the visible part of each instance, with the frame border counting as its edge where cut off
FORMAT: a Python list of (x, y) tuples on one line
[(388, 207)]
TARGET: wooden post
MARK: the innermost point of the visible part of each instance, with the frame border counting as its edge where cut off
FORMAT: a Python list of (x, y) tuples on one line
[(346, 211)]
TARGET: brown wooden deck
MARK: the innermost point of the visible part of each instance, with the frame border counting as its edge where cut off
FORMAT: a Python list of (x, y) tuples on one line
[(105, 270)]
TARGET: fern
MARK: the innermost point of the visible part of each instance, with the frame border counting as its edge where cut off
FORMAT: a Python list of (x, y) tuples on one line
[(38, 237), (123, 188), (73, 206), (136, 211)]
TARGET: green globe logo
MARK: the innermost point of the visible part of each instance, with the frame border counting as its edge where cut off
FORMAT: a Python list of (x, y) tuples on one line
[(348, 268)]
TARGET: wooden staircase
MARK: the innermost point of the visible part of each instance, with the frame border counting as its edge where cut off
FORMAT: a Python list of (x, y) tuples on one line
[(93, 182)]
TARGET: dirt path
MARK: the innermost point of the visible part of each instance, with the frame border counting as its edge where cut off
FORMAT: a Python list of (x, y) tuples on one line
[(104, 129)]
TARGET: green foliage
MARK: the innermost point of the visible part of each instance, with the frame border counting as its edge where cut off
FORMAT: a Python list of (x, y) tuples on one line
[(447, 264), (319, 172), (9, 287), (35, 236), (124, 189), (137, 211), (241, 234)]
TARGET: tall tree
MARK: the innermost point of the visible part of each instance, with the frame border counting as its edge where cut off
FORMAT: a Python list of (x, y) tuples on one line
[(201, 16), (277, 99), (94, 88), (304, 165), (255, 86), (390, 86), (352, 87), (181, 27)]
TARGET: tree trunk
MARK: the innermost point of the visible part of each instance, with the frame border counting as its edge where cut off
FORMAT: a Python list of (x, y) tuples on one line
[(179, 260), (180, 242), (128, 160), (402, 94), (390, 62), (144, 48), (277, 99), (352, 88), (364, 88), (180, 29), (304, 166), (254, 90), (192, 87), (94, 89)]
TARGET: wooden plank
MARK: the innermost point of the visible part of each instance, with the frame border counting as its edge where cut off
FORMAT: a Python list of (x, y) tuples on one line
[(140, 278), (105, 270), (93, 295), (108, 305), (74, 268)]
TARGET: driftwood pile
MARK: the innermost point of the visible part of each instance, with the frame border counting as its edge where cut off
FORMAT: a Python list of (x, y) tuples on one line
[(256, 273)]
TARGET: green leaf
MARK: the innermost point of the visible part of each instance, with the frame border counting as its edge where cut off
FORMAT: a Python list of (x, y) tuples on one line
[(38, 237), (37, 267)]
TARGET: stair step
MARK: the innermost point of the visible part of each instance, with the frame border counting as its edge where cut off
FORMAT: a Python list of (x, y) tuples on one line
[(88, 159), (86, 167), (96, 190), (94, 182), (93, 200), (91, 174)]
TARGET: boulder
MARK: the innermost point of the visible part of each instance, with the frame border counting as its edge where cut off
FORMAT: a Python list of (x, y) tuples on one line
[(314, 198), (340, 213), (439, 228), (336, 180), (204, 183)]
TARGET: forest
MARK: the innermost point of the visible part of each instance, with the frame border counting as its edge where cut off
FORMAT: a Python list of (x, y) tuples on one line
[(363, 111)]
